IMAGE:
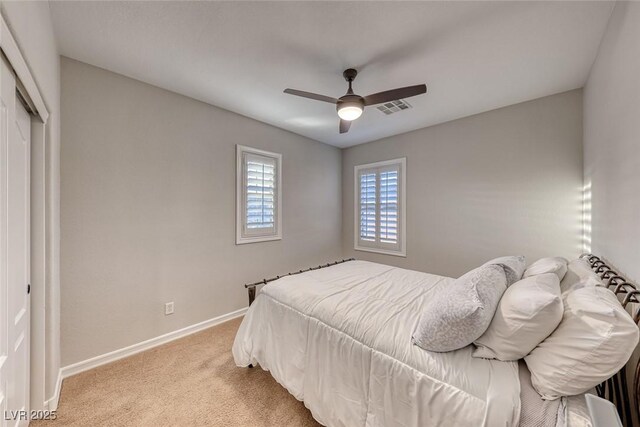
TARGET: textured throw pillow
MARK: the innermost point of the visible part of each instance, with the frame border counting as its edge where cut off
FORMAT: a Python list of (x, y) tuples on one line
[(513, 267), (456, 317), (528, 312), (593, 341), (555, 265)]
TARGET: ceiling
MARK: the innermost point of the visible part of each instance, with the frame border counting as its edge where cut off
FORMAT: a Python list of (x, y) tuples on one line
[(473, 56)]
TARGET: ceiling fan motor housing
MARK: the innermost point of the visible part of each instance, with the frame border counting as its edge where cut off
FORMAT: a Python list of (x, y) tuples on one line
[(350, 101)]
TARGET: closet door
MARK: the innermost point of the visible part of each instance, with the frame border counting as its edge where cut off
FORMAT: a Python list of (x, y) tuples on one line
[(15, 149)]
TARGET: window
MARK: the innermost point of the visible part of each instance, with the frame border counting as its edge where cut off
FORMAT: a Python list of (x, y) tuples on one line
[(258, 196), (380, 207)]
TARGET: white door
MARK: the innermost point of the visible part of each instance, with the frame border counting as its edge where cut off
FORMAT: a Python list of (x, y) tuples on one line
[(15, 148)]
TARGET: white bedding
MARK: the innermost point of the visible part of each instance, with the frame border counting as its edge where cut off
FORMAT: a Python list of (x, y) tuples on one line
[(339, 338)]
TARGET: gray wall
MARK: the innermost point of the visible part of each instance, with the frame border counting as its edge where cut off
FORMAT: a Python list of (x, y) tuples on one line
[(503, 182), (612, 142), (148, 210)]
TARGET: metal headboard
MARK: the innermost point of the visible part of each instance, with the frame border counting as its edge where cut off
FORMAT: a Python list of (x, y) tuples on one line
[(616, 388), (251, 287)]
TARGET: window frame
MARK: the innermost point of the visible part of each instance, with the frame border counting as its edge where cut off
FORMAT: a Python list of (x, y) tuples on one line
[(380, 247), (241, 236)]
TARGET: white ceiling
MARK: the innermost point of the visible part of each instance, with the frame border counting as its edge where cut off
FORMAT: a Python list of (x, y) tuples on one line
[(473, 56)]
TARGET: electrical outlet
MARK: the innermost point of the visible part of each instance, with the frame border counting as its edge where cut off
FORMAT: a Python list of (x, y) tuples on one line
[(168, 308)]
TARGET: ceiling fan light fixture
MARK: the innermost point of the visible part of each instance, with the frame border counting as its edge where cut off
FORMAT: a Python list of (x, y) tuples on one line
[(349, 111)]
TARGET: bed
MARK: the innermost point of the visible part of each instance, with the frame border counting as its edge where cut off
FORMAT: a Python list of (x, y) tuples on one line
[(339, 339)]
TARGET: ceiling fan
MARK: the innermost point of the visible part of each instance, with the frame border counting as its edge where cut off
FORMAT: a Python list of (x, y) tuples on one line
[(350, 106)]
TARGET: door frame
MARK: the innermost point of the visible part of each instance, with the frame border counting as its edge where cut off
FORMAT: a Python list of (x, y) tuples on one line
[(40, 133)]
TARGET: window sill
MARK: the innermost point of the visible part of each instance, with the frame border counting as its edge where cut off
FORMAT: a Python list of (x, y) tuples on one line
[(381, 251), (246, 240)]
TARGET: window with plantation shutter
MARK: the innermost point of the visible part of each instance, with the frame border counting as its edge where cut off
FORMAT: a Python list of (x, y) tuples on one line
[(258, 217), (379, 207)]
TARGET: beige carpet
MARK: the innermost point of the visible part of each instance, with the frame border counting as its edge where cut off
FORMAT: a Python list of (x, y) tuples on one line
[(189, 382)]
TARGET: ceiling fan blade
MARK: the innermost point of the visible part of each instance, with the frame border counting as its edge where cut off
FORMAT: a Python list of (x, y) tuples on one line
[(393, 94), (344, 126), (311, 95)]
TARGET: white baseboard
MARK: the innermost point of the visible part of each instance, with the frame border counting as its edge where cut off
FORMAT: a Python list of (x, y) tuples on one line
[(103, 359), (52, 403)]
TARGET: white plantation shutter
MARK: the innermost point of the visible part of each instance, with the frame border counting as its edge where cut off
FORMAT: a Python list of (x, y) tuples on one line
[(260, 193), (258, 204), (379, 207), (368, 206), (389, 206)]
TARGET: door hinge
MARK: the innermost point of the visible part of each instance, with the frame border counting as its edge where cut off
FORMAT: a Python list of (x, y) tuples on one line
[(28, 288)]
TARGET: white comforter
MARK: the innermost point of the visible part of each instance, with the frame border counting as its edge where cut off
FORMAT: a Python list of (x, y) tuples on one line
[(339, 338)]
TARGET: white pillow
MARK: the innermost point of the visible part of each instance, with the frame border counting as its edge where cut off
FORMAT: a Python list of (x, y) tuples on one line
[(556, 265), (579, 274), (528, 312), (594, 340), (513, 267), (454, 319)]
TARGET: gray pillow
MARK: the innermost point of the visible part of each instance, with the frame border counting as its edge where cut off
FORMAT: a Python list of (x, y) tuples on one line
[(514, 267), (459, 315)]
